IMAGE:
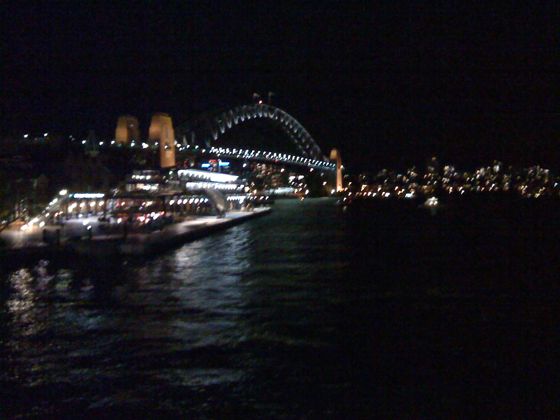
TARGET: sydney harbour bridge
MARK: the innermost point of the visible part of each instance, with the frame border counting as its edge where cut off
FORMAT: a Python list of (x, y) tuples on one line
[(252, 133), (265, 152)]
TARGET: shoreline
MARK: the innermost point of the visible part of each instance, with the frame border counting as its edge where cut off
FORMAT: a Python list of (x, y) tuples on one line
[(136, 244)]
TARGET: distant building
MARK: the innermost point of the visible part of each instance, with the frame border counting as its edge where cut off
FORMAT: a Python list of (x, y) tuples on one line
[(127, 129)]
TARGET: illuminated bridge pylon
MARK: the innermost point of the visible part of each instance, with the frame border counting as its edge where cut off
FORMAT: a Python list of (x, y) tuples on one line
[(335, 157), (161, 130)]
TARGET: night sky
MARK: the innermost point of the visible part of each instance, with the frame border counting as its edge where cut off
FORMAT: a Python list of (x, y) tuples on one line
[(389, 85)]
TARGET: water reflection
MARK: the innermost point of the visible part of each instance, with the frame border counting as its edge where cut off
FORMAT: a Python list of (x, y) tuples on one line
[(217, 313), (158, 319), (22, 305), (303, 313)]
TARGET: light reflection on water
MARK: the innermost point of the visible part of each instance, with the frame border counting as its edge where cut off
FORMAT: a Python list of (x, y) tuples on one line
[(305, 312), (165, 321)]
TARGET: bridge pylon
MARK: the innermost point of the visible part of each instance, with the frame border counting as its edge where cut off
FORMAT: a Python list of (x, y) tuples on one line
[(335, 156), (161, 129), (127, 129)]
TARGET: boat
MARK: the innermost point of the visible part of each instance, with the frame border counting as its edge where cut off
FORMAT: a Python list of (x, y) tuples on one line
[(433, 204)]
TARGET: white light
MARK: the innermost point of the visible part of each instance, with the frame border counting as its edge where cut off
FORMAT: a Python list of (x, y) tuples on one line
[(209, 176), (88, 195), (45, 135), (25, 136), (63, 192)]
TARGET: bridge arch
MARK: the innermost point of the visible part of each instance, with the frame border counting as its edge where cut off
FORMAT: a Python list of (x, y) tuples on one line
[(218, 124)]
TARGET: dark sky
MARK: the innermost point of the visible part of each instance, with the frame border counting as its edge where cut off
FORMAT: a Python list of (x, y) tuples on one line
[(387, 84)]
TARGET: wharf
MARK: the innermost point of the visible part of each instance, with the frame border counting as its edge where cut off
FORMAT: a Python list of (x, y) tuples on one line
[(135, 244)]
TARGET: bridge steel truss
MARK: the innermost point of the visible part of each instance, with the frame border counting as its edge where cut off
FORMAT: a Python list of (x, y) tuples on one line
[(271, 157), (219, 124)]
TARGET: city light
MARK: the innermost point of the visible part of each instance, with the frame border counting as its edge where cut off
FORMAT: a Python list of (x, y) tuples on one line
[(87, 195)]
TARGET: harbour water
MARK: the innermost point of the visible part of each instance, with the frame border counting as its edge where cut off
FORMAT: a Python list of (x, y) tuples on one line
[(379, 309)]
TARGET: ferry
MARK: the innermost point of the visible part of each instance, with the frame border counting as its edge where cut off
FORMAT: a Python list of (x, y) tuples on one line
[(150, 211), (431, 202)]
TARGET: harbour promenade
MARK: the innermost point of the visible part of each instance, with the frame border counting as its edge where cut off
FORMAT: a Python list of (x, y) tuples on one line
[(84, 236)]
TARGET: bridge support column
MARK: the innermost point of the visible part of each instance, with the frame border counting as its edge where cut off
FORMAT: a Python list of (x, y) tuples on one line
[(161, 129), (127, 129), (335, 156)]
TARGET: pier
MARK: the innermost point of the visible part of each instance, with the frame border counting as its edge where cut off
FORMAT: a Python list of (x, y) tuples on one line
[(83, 238)]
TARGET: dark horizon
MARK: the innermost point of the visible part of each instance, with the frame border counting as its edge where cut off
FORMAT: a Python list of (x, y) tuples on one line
[(387, 85)]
